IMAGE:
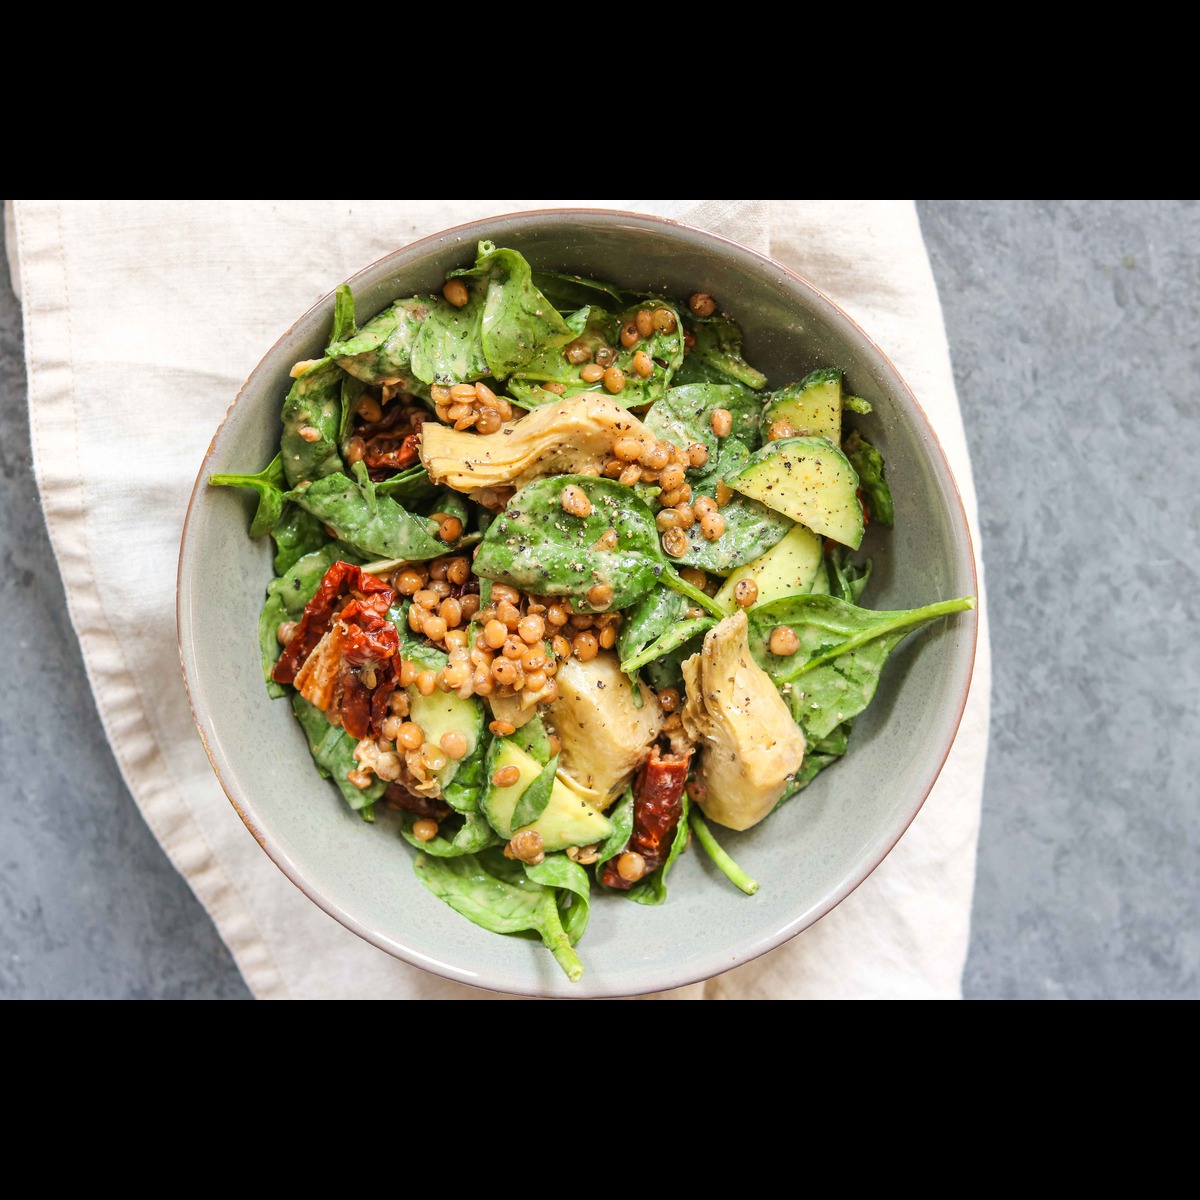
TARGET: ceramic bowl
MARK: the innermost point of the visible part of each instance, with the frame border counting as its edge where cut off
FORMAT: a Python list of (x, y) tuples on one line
[(807, 857)]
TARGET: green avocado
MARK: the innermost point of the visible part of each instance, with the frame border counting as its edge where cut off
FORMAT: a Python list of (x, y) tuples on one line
[(787, 569), (567, 820), (442, 713), (808, 479), (812, 407)]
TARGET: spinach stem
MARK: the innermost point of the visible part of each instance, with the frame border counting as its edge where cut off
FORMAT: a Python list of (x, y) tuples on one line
[(675, 583), (724, 863)]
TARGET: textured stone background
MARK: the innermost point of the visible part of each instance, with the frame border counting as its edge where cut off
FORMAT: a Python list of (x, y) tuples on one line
[(1075, 333)]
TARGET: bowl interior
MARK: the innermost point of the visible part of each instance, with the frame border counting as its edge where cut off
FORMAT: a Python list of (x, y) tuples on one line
[(807, 856)]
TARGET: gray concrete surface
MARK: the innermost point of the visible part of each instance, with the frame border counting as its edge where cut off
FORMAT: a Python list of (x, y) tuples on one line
[(1075, 332)]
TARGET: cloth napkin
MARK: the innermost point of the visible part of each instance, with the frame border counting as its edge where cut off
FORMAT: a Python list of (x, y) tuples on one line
[(143, 318)]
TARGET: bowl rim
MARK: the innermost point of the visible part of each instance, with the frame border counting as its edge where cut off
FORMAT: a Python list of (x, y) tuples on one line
[(701, 968)]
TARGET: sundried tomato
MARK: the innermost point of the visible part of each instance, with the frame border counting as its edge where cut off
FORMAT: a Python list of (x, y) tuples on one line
[(344, 653), (657, 807)]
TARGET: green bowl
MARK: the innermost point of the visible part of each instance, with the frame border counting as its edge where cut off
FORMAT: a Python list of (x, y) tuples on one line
[(807, 857)]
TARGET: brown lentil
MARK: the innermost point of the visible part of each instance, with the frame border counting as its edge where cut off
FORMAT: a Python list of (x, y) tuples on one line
[(456, 292), (644, 322), (425, 830), (745, 592), (668, 699), (586, 646), (664, 320), (574, 500), (712, 525), (608, 637), (702, 305), (675, 542), (614, 380), (592, 373), (502, 728), (631, 866), (600, 596), (721, 422), (454, 744), (631, 474), (527, 846), (629, 334), (779, 429), (784, 641), (697, 453), (427, 683), (506, 776), (560, 646), (411, 736), (724, 493)]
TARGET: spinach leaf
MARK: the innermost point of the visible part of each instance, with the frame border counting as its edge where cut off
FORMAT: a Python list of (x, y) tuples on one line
[(868, 463), (569, 293), (448, 347), (653, 888), (538, 547), (751, 528), (590, 327), (571, 880), (535, 797), (719, 347), (658, 611), (684, 416), (333, 750), (296, 534), (621, 817), (381, 351), (427, 657), (516, 322), (463, 792), (313, 403), (498, 895), (409, 488), (376, 526), (268, 483), (847, 580), (343, 316), (533, 739), (472, 834), (817, 757), (834, 673)]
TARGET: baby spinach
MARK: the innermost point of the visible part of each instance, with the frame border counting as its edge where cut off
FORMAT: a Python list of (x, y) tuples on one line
[(471, 834), (591, 327), (834, 673), (381, 351), (516, 322), (448, 347), (868, 463), (574, 888), (313, 405), (269, 484), (536, 546), (409, 488), (847, 580), (535, 797), (684, 416), (719, 347), (332, 749), (497, 894), (296, 534), (376, 526), (569, 293), (621, 816)]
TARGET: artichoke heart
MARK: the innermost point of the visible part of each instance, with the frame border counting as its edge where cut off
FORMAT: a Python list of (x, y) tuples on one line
[(555, 439), (605, 736), (751, 747)]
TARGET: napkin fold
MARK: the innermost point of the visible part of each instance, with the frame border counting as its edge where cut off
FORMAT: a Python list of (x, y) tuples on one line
[(143, 318)]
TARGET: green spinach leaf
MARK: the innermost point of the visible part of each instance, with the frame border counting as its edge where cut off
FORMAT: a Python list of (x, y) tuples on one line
[(868, 463), (719, 347), (333, 750), (535, 797), (381, 351), (376, 526), (536, 546), (498, 895), (834, 673), (313, 406), (471, 834), (269, 484)]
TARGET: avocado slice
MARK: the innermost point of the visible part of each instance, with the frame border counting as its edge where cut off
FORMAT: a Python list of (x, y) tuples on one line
[(787, 569), (808, 479), (567, 820), (447, 712), (812, 407)]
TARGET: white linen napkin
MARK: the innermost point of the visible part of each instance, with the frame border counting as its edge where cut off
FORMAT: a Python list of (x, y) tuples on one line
[(143, 318)]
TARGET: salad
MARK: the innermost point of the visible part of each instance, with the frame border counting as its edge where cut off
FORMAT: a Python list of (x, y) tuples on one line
[(562, 581)]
